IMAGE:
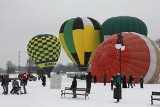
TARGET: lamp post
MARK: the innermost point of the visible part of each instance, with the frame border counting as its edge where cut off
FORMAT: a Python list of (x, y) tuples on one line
[(120, 46)]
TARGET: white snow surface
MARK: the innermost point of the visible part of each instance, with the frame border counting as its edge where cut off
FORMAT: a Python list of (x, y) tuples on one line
[(101, 96)]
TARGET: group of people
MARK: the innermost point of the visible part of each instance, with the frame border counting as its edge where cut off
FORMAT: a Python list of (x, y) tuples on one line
[(115, 80), (17, 84), (131, 81), (16, 87)]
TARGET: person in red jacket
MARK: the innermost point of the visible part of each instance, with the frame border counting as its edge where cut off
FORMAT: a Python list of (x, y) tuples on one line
[(24, 79)]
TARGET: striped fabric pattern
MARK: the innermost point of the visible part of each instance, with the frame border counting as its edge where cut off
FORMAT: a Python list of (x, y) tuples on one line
[(141, 57)]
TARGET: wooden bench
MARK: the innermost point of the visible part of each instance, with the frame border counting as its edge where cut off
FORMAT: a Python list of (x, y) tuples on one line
[(155, 98), (67, 90)]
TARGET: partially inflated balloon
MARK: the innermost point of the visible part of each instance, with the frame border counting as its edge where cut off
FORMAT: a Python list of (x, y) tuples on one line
[(79, 38), (44, 51), (118, 24), (141, 57)]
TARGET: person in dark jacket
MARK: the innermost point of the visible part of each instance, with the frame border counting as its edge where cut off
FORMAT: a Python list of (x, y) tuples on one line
[(5, 83), (2, 77), (104, 79), (133, 80), (118, 80), (114, 78), (112, 83), (124, 82), (73, 87), (44, 80), (118, 85), (130, 81), (15, 87), (88, 82), (141, 82), (95, 79)]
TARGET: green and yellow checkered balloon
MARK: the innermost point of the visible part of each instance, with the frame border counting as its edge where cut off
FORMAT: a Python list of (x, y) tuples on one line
[(44, 50)]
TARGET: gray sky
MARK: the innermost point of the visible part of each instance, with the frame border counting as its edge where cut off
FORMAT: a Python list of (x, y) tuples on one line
[(20, 20)]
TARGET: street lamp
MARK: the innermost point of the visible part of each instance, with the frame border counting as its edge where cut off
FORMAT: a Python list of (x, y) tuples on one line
[(120, 46)]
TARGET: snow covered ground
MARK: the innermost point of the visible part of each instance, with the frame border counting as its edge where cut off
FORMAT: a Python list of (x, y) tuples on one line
[(101, 96)]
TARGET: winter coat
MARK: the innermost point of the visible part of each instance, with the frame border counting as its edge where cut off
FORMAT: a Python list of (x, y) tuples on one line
[(141, 80), (44, 79), (74, 84), (89, 78), (5, 79), (130, 79), (15, 83), (104, 78), (24, 79), (95, 79), (118, 80)]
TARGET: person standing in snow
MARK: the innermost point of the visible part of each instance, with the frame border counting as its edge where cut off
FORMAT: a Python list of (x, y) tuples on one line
[(44, 80), (112, 83), (133, 80), (5, 83), (73, 87), (124, 84), (88, 82), (24, 79), (141, 82), (118, 87), (95, 79), (130, 81), (104, 79)]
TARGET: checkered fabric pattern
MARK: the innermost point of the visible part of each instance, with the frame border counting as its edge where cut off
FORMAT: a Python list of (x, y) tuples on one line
[(44, 50)]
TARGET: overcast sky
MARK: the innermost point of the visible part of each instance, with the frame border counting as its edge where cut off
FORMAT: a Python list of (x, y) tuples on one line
[(20, 20)]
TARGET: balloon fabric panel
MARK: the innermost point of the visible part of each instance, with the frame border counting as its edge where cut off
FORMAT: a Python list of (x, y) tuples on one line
[(89, 38), (61, 37), (78, 36), (157, 70), (68, 36)]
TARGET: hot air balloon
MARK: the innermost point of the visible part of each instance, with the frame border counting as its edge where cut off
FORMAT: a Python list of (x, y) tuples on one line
[(141, 57), (44, 50), (118, 24), (79, 38)]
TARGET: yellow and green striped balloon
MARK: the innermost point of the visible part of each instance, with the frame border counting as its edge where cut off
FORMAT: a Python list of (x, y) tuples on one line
[(44, 50), (79, 38)]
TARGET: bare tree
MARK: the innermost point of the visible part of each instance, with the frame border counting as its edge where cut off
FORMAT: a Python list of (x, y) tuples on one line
[(158, 42), (30, 65), (1, 70), (10, 67)]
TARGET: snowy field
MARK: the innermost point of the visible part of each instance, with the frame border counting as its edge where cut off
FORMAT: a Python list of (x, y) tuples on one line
[(101, 96)]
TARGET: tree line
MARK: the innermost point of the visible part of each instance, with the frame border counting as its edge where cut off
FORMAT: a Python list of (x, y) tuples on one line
[(32, 68)]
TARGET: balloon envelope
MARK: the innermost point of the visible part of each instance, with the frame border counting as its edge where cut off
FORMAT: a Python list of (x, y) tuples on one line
[(141, 57), (119, 24), (79, 38), (44, 50)]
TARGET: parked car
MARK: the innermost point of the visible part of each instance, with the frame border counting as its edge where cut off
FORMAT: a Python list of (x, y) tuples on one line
[(32, 78)]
